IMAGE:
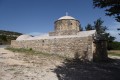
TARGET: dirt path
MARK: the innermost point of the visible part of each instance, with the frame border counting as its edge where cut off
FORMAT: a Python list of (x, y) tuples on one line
[(19, 66), (16, 66)]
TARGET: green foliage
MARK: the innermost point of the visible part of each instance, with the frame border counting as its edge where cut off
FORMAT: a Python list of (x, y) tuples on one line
[(112, 7), (114, 46), (3, 32), (7, 36), (110, 39), (89, 27), (30, 51), (101, 31), (3, 38), (98, 25)]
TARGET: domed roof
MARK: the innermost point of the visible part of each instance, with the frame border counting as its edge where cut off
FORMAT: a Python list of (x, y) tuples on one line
[(23, 37), (66, 17)]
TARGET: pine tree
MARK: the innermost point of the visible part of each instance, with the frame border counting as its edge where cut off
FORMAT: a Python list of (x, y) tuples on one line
[(112, 7), (98, 25), (101, 31), (89, 27)]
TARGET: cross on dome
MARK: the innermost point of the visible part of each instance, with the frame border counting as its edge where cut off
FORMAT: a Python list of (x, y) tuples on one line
[(66, 13), (66, 17)]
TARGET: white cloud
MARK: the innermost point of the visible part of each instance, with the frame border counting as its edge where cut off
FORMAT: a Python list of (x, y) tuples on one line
[(113, 30)]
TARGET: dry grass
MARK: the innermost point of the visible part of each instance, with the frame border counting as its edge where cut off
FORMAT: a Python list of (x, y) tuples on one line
[(114, 52), (41, 66), (29, 52)]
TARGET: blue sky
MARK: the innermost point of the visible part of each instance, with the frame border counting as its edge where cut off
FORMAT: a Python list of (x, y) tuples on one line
[(38, 16)]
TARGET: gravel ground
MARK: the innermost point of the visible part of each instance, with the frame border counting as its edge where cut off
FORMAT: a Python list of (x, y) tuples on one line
[(19, 66), (16, 66)]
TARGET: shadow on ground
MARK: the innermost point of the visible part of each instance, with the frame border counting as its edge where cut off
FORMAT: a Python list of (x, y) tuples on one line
[(78, 70)]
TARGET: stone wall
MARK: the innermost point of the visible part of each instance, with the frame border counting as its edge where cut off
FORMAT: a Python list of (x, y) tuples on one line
[(69, 47), (65, 32), (67, 24)]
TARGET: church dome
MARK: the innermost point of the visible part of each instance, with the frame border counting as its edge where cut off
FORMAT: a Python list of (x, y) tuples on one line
[(23, 37), (66, 17)]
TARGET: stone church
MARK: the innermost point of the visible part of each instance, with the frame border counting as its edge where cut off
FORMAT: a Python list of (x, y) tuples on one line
[(66, 40)]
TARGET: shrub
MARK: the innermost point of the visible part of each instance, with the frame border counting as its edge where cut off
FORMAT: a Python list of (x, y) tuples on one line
[(114, 46)]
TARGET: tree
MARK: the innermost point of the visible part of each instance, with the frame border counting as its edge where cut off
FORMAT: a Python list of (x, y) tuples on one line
[(101, 31), (110, 39), (3, 38), (112, 7), (89, 27), (98, 25), (115, 45), (118, 29)]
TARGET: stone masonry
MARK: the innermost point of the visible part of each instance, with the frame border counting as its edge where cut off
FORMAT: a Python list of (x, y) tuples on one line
[(68, 47), (67, 40)]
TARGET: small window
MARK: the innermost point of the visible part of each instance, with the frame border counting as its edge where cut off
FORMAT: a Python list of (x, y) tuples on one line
[(43, 41)]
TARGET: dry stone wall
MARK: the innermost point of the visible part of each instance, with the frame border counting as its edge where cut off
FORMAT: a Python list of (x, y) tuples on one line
[(68, 47), (67, 24), (65, 32)]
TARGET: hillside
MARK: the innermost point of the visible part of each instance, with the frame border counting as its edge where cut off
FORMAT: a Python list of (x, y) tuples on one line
[(7, 36)]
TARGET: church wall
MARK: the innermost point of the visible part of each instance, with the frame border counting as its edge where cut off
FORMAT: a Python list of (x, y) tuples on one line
[(62, 25), (66, 47), (65, 32)]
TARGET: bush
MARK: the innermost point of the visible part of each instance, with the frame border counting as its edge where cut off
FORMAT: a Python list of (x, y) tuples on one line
[(114, 46), (30, 49)]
